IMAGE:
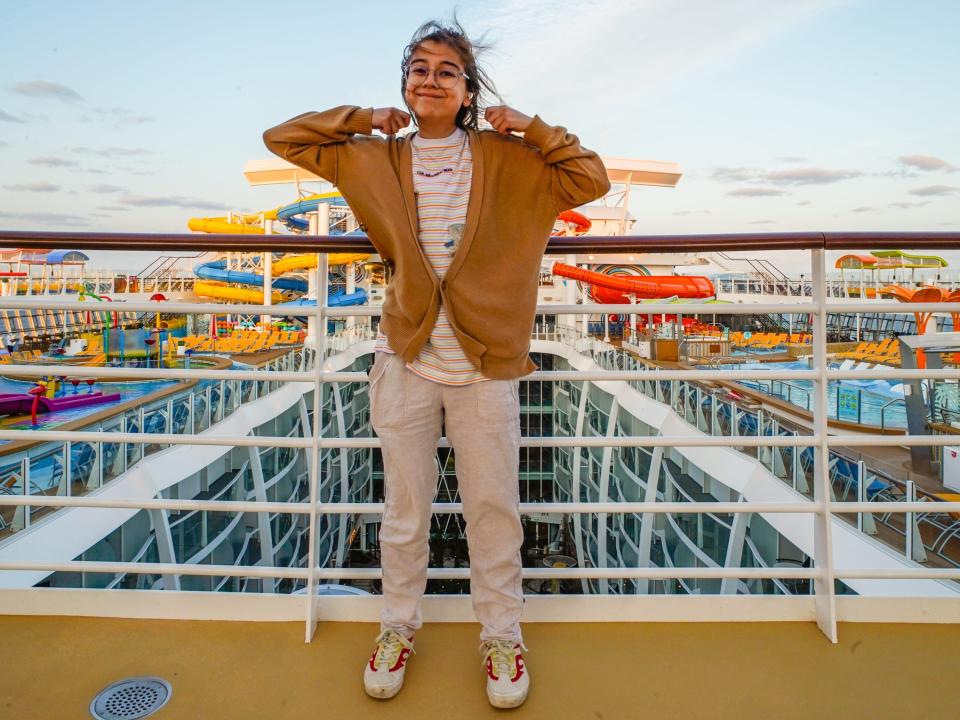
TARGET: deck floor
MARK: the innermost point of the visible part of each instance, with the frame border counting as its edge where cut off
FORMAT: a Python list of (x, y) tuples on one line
[(53, 666)]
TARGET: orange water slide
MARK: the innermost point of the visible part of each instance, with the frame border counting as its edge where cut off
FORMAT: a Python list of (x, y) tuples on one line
[(640, 286), (897, 292)]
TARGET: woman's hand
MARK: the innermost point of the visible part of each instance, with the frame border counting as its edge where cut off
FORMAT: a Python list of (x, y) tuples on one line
[(506, 120), (390, 120)]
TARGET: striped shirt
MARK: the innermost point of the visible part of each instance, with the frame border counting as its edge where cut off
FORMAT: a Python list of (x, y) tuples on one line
[(442, 171)]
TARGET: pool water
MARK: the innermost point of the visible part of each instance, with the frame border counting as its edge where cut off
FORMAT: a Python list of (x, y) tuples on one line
[(869, 402), (45, 421)]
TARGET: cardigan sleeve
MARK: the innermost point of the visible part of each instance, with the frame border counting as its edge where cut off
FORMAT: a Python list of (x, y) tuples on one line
[(313, 140), (577, 174)]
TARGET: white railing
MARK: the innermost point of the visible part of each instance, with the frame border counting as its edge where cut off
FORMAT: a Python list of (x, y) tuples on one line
[(823, 604)]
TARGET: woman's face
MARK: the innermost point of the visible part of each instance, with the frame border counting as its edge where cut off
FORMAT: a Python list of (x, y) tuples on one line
[(428, 101)]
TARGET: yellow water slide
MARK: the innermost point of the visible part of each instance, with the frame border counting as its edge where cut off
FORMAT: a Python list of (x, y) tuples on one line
[(234, 225), (223, 291), (291, 263)]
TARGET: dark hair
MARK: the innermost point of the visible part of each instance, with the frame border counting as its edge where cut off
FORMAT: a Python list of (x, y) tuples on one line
[(479, 85)]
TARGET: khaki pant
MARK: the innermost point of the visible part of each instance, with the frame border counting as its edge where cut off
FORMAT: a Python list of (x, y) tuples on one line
[(482, 422)]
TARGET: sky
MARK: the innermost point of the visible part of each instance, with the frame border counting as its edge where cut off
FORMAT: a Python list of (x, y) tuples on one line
[(783, 116)]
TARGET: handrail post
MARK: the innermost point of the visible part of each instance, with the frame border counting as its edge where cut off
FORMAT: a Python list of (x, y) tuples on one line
[(322, 276), (824, 583)]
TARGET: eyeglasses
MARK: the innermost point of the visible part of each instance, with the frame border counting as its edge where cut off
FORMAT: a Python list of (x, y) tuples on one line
[(444, 77)]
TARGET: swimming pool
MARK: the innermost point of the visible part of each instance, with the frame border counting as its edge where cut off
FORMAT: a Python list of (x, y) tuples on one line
[(127, 390), (868, 402)]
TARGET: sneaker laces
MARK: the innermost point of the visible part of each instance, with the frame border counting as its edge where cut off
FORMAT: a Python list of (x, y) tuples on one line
[(390, 644), (502, 654)]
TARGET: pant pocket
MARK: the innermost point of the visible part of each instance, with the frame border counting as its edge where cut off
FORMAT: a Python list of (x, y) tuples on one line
[(387, 392), (380, 362), (498, 402)]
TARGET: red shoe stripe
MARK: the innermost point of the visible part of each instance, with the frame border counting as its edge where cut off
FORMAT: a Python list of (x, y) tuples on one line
[(401, 659), (520, 668)]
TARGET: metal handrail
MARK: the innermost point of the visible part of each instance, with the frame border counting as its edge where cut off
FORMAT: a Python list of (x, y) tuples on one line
[(883, 411), (705, 242)]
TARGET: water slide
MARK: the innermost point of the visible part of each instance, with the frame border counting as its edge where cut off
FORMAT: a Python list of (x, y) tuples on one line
[(340, 299), (216, 281), (222, 291), (615, 289), (309, 261), (288, 213), (252, 223), (217, 270)]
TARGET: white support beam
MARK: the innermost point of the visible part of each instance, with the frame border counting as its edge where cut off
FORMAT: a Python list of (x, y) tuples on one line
[(647, 522), (824, 584)]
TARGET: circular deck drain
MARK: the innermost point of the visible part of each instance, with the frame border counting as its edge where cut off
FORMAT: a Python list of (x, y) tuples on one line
[(130, 699)]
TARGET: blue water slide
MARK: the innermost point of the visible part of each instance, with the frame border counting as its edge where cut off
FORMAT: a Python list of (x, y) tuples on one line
[(217, 270), (339, 299), (287, 213), (305, 206)]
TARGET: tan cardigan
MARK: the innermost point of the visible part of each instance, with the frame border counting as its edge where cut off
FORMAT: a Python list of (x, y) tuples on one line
[(519, 187)]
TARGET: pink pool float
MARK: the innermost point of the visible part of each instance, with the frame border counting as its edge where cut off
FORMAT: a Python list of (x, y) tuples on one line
[(22, 403)]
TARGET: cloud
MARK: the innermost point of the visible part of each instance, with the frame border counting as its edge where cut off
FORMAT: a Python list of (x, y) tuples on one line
[(791, 159), (805, 202), (90, 171), (7, 117), (114, 208), (908, 205), (51, 161), (38, 187), (104, 189), (132, 171), (103, 215), (178, 201), (46, 219), (935, 190), (46, 89), (111, 152), (733, 174), (762, 222), (756, 192), (693, 212), (927, 163), (4, 143), (799, 176), (863, 209), (122, 116), (809, 176)]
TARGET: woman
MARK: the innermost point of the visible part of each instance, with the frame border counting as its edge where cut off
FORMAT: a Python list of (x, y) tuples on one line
[(463, 217)]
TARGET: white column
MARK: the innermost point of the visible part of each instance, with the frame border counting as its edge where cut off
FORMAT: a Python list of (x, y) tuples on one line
[(575, 464), (165, 552), (265, 531), (647, 522), (570, 296), (267, 273), (314, 219), (606, 462), (585, 299), (824, 594), (351, 287), (738, 531)]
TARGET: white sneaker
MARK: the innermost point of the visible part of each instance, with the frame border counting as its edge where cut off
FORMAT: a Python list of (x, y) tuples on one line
[(508, 681), (383, 674)]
